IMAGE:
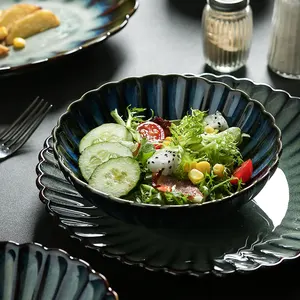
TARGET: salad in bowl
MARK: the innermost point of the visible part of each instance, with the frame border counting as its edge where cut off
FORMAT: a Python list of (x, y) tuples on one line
[(168, 162), (159, 149)]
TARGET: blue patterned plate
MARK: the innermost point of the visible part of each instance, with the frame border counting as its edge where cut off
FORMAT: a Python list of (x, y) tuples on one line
[(31, 271), (263, 233), (83, 23)]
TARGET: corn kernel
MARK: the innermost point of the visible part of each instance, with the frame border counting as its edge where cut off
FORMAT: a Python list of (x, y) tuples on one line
[(195, 176), (209, 129), (168, 138), (3, 32), (193, 165), (203, 166), (186, 167), (19, 43), (218, 170)]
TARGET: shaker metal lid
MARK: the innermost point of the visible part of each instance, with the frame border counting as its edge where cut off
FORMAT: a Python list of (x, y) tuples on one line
[(228, 5)]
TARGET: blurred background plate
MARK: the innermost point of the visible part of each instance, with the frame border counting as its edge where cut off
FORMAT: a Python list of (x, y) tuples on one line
[(31, 271), (83, 23)]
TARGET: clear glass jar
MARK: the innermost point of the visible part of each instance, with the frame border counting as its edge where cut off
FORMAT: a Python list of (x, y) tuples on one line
[(227, 34), (284, 52)]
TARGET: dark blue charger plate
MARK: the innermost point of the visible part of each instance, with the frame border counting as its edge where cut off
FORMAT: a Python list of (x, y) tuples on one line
[(83, 23), (264, 232)]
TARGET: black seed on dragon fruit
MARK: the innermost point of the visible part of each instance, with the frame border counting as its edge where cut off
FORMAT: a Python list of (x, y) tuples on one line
[(216, 121), (165, 161)]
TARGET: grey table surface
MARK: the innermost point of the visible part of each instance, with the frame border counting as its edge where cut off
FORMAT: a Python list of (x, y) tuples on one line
[(164, 36)]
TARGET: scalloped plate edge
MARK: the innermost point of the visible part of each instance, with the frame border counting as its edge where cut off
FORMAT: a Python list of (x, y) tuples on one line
[(94, 41), (72, 258), (121, 258)]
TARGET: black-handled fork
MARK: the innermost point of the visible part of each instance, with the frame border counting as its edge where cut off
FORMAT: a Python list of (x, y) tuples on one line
[(14, 137)]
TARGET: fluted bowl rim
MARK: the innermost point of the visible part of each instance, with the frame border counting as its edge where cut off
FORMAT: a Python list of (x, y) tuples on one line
[(84, 185)]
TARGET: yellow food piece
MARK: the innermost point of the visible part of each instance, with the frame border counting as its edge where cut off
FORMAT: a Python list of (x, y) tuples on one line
[(195, 176), (168, 138), (15, 13), (193, 165), (218, 170), (209, 129), (203, 166), (3, 50), (39, 21), (186, 167), (3, 32), (189, 166), (166, 143), (19, 43)]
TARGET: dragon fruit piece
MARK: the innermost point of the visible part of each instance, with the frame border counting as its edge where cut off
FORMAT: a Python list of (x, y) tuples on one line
[(216, 121), (164, 160)]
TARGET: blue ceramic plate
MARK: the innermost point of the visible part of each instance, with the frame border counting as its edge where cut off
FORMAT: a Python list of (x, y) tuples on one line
[(264, 232), (170, 97), (83, 23), (31, 271)]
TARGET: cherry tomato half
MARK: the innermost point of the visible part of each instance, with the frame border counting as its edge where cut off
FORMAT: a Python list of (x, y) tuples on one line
[(244, 172), (165, 124), (151, 131), (157, 146)]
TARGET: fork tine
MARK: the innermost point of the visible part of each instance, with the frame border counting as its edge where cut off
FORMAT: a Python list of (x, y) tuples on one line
[(27, 125), (20, 118), (31, 130), (23, 123)]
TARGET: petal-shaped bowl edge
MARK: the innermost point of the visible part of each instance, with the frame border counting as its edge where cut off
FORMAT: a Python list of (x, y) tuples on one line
[(69, 174)]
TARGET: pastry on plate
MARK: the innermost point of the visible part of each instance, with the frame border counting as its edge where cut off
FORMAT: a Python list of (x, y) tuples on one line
[(31, 24), (15, 13)]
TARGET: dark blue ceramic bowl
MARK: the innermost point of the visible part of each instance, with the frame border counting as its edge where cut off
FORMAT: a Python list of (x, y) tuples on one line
[(171, 97), (31, 271)]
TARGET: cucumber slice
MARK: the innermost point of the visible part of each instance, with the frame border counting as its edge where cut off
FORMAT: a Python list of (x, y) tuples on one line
[(97, 154), (116, 177), (131, 145), (109, 132)]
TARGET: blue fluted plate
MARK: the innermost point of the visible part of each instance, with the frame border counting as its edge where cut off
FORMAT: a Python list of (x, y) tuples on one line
[(264, 232), (169, 96), (31, 271), (83, 23)]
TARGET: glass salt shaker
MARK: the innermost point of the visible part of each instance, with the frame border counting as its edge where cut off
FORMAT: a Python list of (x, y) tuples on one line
[(227, 34), (284, 51)]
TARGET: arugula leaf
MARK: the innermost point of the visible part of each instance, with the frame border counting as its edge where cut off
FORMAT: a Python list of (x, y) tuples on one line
[(221, 148), (188, 131), (134, 118), (214, 188), (148, 194), (146, 150), (186, 159)]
